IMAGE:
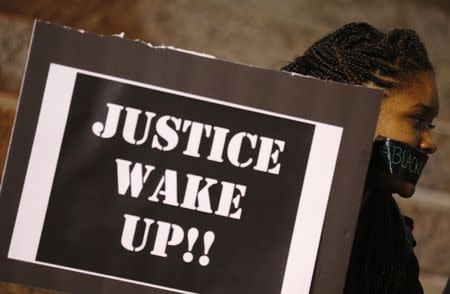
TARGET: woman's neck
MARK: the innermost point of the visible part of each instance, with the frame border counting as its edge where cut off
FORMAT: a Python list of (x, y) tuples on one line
[(373, 188)]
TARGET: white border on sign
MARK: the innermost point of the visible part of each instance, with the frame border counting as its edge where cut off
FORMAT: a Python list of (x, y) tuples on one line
[(45, 153)]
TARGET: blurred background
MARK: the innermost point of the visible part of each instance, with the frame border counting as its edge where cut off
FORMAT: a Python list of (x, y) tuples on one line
[(263, 33)]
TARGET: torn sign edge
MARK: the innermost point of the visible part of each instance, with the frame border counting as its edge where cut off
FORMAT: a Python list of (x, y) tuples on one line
[(122, 35)]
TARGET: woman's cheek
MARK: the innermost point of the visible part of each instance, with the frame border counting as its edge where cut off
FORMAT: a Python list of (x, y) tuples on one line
[(402, 129)]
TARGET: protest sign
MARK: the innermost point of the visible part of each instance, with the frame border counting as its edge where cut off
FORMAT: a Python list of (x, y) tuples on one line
[(153, 170)]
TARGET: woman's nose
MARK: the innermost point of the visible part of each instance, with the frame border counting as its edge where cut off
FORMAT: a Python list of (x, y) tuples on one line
[(427, 143)]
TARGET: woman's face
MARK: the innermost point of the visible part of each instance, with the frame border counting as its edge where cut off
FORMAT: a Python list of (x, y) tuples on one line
[(406, 115)]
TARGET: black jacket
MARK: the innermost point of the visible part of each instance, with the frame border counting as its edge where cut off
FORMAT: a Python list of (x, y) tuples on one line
[(383, 259)]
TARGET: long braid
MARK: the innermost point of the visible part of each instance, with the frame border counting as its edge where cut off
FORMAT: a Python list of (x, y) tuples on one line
[(359, 54)]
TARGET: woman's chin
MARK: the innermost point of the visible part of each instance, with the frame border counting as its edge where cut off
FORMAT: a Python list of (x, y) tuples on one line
[(398, 185), (405, 189), (393, 184)]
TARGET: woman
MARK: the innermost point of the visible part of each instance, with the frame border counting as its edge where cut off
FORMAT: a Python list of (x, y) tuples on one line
[(382, 259)]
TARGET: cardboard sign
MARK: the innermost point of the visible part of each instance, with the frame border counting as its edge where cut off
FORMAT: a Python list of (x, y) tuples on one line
[(142, 169)]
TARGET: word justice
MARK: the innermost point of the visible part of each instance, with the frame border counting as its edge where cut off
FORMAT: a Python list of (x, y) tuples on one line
[(169, 128)]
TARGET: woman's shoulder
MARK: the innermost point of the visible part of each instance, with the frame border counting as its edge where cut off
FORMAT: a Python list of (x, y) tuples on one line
[(409, 227), (409, 222), (411, 283)]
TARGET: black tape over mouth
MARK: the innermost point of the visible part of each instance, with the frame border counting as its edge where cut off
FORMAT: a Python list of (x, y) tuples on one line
[(400, 159)]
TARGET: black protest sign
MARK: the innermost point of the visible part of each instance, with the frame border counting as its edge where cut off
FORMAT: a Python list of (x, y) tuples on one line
[(150, 169), (166, 189)]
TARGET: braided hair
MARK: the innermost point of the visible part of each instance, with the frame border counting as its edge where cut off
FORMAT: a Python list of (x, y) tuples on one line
[(359, 54)]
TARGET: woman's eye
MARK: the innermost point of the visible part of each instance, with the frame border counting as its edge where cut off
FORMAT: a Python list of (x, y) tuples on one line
[(418, 120), (422, 123)]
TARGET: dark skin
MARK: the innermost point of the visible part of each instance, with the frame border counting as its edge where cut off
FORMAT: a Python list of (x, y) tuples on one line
[(406, 115)]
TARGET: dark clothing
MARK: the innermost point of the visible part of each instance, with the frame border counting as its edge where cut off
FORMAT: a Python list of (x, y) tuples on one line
[(411, 283), (383, 260), (447, 287)]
